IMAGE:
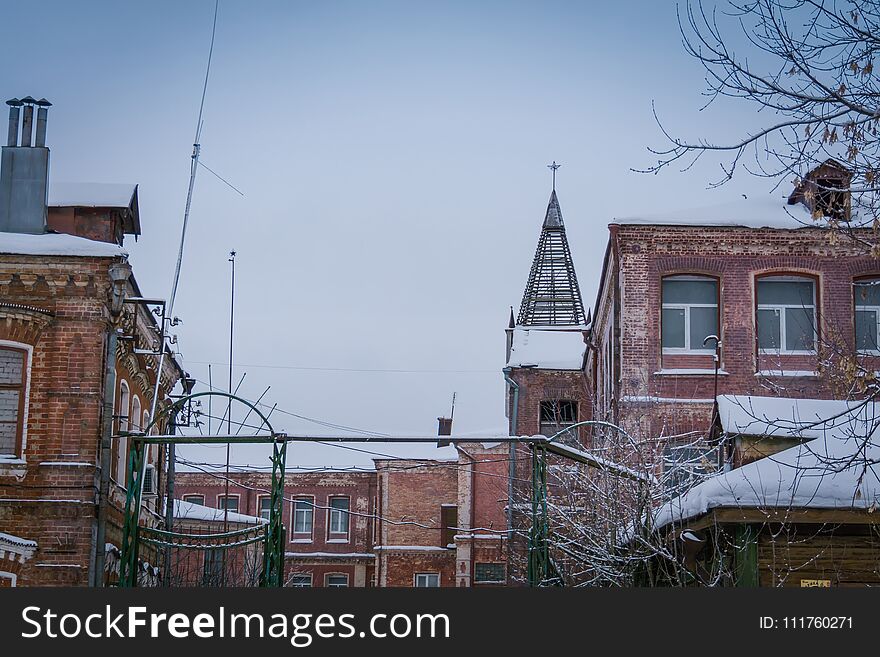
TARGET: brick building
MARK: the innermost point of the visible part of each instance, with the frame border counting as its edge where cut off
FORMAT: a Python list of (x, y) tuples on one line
[(792, 307), (64, 387), (411, 522)]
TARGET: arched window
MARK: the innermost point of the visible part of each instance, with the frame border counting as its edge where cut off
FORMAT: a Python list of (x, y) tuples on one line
[(123, 413), (690, 313), (786, 314), (135, 422), (13, 391), (866, 317)]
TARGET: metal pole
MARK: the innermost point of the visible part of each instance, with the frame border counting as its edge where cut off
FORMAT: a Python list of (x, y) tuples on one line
[(229, 406), (106, 456), (169, 496)]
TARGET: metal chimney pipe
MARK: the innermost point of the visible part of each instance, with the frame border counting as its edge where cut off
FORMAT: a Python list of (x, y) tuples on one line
[(27, 125), (40, 140), (14, 114)]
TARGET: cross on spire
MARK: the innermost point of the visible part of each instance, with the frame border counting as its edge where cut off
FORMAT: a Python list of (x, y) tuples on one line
[(553, 168)]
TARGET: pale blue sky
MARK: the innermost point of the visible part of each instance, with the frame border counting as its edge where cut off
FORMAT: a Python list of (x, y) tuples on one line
[(392, 156)]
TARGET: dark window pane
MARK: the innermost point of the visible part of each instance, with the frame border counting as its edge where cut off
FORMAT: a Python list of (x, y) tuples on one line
[(489, 572), (704, 322), (867, 293), (672, 328), (793, 293), (866, 330), (768, 329), (800, 332), (690, 291)]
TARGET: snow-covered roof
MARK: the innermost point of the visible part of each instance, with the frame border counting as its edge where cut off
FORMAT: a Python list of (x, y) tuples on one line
[(548, 348), (192, 511), (91, 195), (838, 470), (58, 244), (745, 212), (791, 418)]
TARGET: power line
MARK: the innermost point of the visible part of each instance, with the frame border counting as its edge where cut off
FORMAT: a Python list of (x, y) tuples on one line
[(349, 369)]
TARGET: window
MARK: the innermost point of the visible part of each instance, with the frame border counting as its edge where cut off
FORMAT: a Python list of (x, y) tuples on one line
[(427, 580), (265, 507), (194, 499), (228, 503), (786, 314), (135, 414), (336, 581), (866, 302), (13, 376), (556, 415), (303, 517), (831, 198), (212, 574), (338, 524), (448, 523), (300, 580), (489, 573), (689, 313), (121, 454)]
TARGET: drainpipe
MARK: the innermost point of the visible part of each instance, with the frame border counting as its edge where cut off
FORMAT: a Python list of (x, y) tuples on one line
[(511, 465), (119, 275)]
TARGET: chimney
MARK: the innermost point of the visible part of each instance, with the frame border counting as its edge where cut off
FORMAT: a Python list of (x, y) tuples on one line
[(444, 426), (24, 169)]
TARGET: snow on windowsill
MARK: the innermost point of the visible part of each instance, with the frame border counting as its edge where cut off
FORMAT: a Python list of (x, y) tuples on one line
[(684, 371), (788, 373)]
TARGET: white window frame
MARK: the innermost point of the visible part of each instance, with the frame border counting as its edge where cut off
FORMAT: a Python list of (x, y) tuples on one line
[(26, 391), (327, 583), (688, 348), (780, 308), (416, 577), (334, 536), (260, 505), (302, 586), (124, 413), (875, 309), (302, 537), (202, 503), (237, 497)]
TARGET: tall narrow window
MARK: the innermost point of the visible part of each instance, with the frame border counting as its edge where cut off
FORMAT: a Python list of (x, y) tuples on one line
[(265, 507), (448, 524), (13, 373), (786, 314), (122, 414), (338, 525), (866, 302), (689, 313), (303, 519)]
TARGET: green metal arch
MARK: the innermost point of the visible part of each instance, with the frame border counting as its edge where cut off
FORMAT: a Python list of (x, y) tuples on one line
[(273, 562)]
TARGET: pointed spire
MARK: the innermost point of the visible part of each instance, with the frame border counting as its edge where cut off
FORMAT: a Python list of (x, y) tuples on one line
[(552, 296), (553, 218)]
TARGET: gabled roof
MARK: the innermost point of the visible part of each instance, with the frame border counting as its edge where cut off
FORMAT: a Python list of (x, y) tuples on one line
[(118, 196), (838, 470)]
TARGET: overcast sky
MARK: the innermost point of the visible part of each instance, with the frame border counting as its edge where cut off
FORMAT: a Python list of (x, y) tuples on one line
[(393, 161)]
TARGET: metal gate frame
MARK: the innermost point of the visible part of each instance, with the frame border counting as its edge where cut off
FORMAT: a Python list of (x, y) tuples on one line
[(273, 554)]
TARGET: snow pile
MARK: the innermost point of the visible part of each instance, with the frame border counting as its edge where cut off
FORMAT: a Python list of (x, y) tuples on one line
[(838, 470), (91, 195), (547, 348), (58, 244), (793, 418), (192, 511), (749, 213)]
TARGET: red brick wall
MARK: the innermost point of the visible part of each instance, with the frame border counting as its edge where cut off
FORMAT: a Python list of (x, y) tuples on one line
[(49, 496), (735, 256)]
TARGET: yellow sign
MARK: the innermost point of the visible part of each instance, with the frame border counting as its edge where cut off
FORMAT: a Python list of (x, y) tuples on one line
[(821, 583)]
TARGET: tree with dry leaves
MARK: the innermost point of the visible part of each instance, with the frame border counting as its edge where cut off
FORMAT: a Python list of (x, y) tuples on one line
[(808, 67)]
